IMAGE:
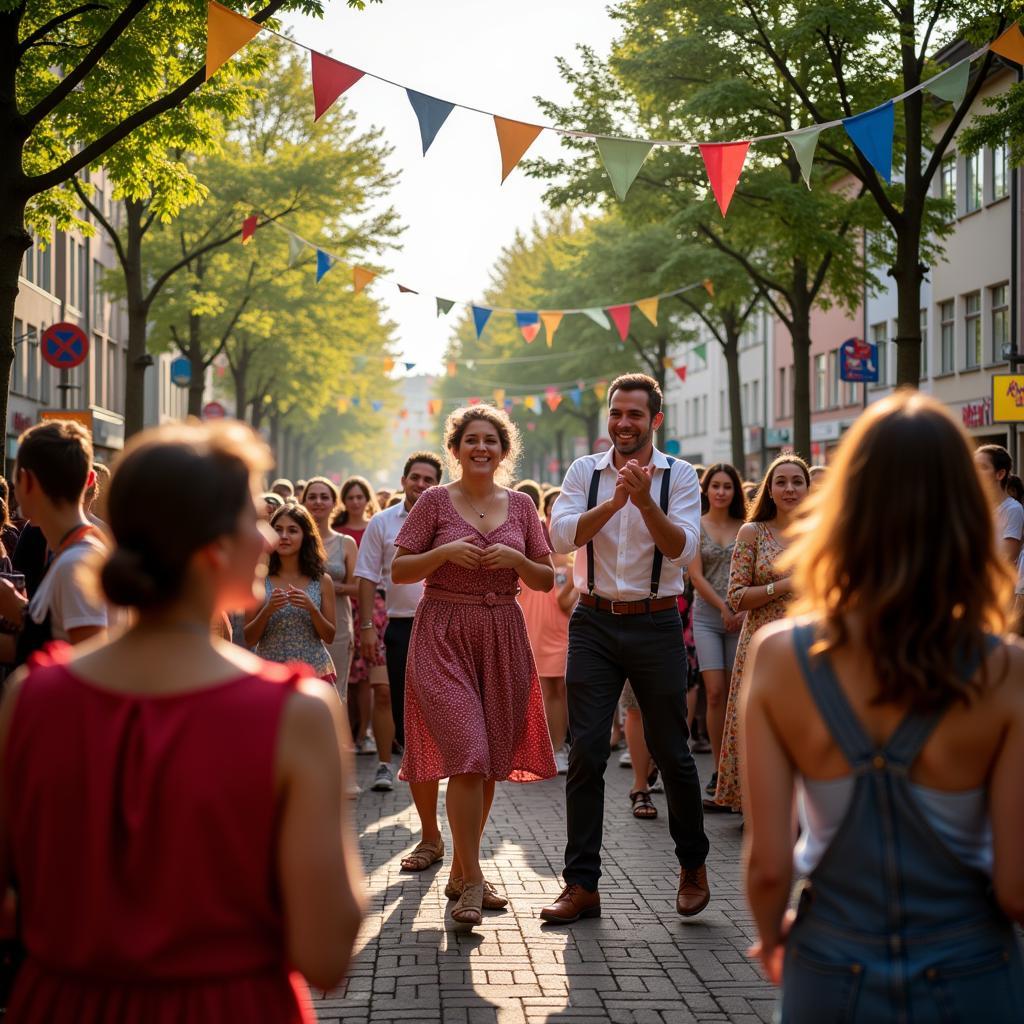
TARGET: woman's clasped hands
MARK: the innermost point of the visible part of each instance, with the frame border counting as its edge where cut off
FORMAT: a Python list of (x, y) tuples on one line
[(469, 555)]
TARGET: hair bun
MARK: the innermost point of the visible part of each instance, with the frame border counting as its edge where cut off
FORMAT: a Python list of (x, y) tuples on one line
[(128, 582)]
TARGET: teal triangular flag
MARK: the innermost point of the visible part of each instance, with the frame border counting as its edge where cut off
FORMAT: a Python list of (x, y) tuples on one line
[(701, 351), (431, 114), (599, 317), (951, 85), (444, 306), (804, 144), (872, 133), (622, 159)]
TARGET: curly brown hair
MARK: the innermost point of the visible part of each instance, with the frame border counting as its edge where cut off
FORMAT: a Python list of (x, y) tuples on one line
[(508, 435), (930, 593), (312, 556)]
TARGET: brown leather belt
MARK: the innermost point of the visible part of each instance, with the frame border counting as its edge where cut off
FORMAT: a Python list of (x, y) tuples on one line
[(645, 607)]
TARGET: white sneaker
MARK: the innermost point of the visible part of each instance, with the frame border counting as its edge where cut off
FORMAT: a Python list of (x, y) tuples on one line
[(562, 760), (366, 747), (625, 761), (384, 780)]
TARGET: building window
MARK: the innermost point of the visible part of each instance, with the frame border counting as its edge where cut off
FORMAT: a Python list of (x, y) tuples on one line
[(851, 392), (924, 343), (44, 264), (780, 404), (98, 311), (972, 330), (723, 410), (880, 339), (972, 182), (947, 326), (755, 390), (1000, 321), (28, 264), (947, 181), (833, 379), (820, 382), (1000, 173)]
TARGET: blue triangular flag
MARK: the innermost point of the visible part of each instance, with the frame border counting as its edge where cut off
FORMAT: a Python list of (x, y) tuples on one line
[(872, 134), (431, 114), (355, 400), (525, 319), (409, 366), (480, 317), (377, 405), (323, 263), (576, 395)]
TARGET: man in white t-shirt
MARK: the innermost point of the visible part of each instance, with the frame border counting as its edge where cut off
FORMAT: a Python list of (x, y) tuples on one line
[(52, 472)]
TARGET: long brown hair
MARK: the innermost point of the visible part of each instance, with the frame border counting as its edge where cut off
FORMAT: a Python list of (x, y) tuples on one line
[(738, 506), (312, 556), (763, 508), (341, 519), (926, 590)]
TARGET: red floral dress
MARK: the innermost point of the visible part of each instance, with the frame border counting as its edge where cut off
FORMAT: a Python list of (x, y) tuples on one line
[(473, 702), (359, 668)]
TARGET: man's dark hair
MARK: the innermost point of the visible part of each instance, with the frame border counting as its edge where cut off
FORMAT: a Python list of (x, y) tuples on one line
[(58, 454), (429, 458), (638, 382)]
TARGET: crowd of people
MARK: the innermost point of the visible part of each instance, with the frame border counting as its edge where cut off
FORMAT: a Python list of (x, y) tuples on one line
[(194, 660)]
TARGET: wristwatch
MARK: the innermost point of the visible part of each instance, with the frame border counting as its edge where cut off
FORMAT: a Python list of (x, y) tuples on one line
[(770, 590)]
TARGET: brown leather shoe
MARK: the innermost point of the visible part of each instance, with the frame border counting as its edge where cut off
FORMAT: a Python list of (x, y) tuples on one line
[(694, 892), (574, 903)]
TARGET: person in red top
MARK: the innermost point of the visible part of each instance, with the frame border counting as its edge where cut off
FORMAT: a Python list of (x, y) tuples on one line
[(172, 806)]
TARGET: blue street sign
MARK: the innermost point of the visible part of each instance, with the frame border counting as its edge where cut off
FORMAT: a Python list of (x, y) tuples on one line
[(673, 447), (181, 372), (858, 362)]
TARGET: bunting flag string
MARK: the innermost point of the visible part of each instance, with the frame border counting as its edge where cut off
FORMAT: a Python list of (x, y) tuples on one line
[(622, 157)]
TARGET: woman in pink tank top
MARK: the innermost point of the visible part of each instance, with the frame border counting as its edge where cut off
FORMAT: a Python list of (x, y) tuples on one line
[(173, 805)]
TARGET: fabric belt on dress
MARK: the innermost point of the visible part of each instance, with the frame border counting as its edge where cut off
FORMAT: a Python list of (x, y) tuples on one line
[(490, 599), (644, 607)]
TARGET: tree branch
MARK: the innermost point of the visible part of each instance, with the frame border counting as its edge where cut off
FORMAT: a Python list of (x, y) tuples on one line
[(44, 30), (643, 355), (122, 256)]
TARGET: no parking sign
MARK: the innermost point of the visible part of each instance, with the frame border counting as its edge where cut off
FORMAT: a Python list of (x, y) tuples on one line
[(65, 346)]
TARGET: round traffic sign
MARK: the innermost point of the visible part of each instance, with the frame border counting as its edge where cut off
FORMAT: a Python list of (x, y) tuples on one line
[(672, 447), (181, 372), (214, 411), (65, 346)]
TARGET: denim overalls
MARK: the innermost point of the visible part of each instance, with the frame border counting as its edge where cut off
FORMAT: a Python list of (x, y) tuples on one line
[(891, 926)]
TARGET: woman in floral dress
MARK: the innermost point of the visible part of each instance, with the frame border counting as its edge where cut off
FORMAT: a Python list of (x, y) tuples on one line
[(757, 588), (474, 713)]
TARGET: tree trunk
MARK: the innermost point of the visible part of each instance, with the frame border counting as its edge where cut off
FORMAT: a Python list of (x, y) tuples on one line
[(239, 372), (275, 438), (731, 350), (139, 359), (14, 242), (660, 377), (908, 273), (801, 335), (560, 452)]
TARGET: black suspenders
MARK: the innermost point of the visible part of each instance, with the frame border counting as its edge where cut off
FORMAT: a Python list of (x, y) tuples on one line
[(658, 556)]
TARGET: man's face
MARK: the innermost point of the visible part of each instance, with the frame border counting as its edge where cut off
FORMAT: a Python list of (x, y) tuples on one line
[(630, 425), (421, 476)]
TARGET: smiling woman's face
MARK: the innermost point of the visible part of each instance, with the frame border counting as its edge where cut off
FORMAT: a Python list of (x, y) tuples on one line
[(480, 451), (789, 487)]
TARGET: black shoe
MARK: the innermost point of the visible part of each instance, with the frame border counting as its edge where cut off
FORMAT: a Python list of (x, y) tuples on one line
[(712, 785)]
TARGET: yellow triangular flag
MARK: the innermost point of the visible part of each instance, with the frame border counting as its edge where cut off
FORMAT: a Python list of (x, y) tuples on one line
[(514, 139), (361, 277), (551, 322), (226, 33), (499, 397), (649, 308), (1010, 44), (666, 362)]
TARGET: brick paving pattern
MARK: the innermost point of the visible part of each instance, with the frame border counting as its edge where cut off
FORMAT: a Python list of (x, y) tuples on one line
[(640, 963)]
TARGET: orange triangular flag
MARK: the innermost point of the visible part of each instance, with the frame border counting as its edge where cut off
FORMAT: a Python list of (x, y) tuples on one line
[(649, 308), (226, 33), (551, 322), (514, 139), (1010, 44), (709, 287), (724, 162), (361, 278)]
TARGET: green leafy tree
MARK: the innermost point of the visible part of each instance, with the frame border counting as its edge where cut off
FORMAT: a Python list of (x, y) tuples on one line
[(89, 82)]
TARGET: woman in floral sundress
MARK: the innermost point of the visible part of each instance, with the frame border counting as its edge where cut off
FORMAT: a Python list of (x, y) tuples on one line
[(474, 713), (757, 588)]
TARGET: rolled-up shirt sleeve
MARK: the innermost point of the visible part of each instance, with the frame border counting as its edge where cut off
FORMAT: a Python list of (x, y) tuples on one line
[(370, 560), (568, 508), (684, 510)]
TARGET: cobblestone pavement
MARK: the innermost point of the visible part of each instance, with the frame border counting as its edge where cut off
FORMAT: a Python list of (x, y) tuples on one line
[(640, 963)]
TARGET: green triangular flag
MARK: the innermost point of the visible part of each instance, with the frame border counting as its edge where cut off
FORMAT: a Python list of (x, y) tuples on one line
[(444, 306), (599, 317), (701, 351), (622, 160), (295, 248), (951, 85), (804, 144)]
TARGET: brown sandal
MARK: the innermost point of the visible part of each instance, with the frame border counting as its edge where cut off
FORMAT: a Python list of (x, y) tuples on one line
[(643, 806), (493, 900), (469, 909), (425, 855)]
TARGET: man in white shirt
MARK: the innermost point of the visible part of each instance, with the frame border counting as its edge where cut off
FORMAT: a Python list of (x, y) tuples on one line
[(373, 571), (637, 514)]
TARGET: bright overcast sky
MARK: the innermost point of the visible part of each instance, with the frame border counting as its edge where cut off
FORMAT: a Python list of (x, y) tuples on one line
[(492, 55)]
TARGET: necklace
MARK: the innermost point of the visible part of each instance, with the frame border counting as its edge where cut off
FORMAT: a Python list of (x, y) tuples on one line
[(494, 491)]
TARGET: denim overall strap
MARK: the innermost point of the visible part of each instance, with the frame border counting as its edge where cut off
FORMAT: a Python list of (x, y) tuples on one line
[(834, 708)]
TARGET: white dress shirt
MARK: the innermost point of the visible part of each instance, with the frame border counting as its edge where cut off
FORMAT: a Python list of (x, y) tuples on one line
[(624, 548), (377, 552)]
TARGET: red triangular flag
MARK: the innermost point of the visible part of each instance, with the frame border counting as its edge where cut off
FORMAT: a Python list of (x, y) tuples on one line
[(407, 291), (724, 162), (620, 317), (330, 79), (529, 331), (249, 228), (680, 372)]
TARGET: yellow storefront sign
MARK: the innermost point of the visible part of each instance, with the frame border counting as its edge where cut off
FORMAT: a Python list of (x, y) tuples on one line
[(1008, 398)]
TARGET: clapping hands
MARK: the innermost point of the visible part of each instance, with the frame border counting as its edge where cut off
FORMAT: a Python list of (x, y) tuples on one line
[(635, 480)]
